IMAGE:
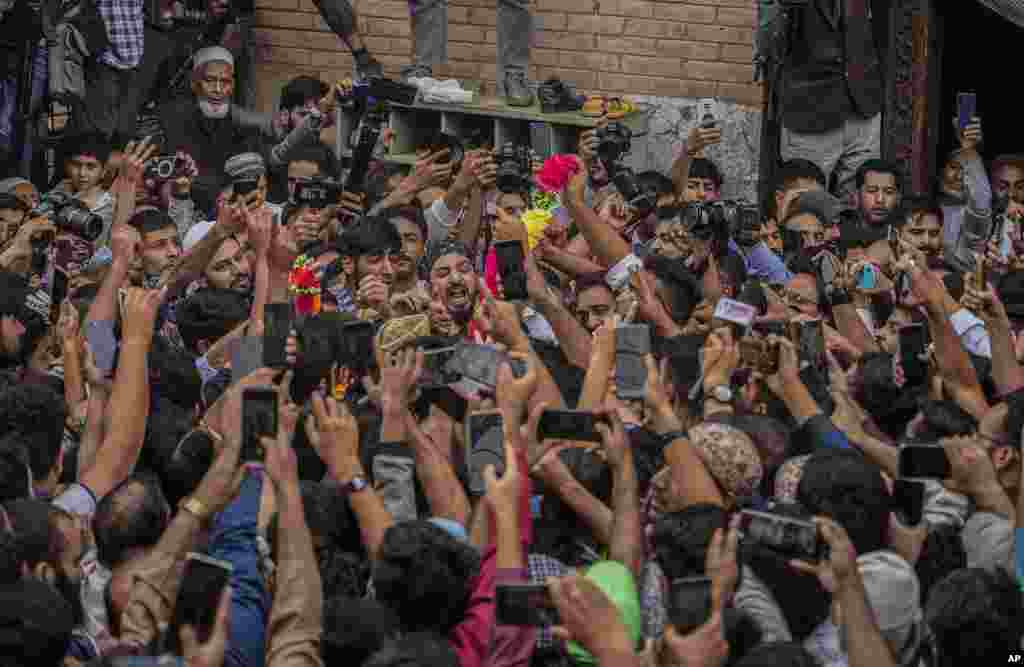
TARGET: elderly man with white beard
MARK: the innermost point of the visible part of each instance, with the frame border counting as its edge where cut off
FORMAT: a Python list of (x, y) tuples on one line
[(210, 128)]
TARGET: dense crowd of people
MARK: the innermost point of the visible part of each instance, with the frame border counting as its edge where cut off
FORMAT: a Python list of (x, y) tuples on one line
[(255, 410)]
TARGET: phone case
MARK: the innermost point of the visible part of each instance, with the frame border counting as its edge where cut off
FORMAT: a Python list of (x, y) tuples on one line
[(485, 443)]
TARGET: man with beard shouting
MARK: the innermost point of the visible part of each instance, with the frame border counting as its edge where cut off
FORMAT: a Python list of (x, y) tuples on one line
[(210, 128), (455, 290)]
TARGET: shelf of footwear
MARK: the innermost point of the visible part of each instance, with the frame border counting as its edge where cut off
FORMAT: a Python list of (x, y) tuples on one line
[(489, 120)]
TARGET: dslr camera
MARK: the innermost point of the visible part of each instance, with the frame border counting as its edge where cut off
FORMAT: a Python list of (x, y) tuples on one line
[(316, 193), (70, 215), (614, 141), (164, 168), (514, 171)]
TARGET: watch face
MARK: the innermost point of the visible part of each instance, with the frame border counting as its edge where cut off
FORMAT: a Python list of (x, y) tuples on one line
[(358, 484), (723, 394)]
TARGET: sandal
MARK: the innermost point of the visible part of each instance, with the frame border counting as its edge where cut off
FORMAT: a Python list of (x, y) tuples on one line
[(617, 108), (594, 106)]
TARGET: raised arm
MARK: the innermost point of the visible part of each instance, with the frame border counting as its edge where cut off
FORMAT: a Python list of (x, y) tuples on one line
[(627, 537), (293, 631), (129, 399), (260, 228), (338, 446), (572, 337), (606, 243)]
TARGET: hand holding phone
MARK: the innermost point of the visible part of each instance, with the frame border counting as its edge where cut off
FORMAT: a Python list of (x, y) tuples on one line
[(485, 443), (913, 345), (577, 425), (788, 536), (259, 420), (924, 461), (689, 604), (632, 344), (908, 501), (198, 598), (524, 604)]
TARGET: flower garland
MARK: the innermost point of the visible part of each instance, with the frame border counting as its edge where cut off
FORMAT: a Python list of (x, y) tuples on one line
[(304, 285)]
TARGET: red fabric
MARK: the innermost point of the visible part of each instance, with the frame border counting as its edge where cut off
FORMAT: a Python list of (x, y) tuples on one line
[(556, 171), (472, 637)]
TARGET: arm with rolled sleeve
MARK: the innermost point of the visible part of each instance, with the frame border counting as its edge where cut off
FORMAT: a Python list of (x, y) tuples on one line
[(972, 333)]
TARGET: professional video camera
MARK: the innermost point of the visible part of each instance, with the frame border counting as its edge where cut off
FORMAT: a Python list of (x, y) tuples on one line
[(717, 221), (614, 140), (514, 171), (70, 215)]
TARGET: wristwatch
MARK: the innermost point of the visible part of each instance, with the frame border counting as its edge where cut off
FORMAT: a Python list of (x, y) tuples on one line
[(355, 485), (194, 507), (722, 393)]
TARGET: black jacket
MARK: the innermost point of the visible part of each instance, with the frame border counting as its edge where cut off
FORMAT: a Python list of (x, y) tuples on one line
[(833, 68)]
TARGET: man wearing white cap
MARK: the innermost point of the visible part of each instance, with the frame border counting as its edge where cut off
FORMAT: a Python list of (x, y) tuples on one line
[(211, 129)]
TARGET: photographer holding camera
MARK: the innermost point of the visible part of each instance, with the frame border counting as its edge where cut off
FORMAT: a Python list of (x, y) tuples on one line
[(85, 158)]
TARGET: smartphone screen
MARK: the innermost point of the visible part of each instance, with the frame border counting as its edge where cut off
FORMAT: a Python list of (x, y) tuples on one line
[(568, 425), (913, 341), (435, 373), (357, 338), (485, 441), (524, 604), (924, 461), (966, 108), (689, 604), (259, 419), (794, 538), (510, 265), (198, 597), (908, 501), (810, 343), (277, 326), (632, 342)]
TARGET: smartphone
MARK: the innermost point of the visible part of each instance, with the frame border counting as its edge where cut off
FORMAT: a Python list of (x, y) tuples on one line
[(247, 357), (908, 501), (632, 343), (510, 266), (485, 444), (198, 598), (809, 338), (477, 362), (568, 425), (689, 603), (524, 604), (357, 337), (894, 243), (708, 109), (259, 419), (966, 109), (435, 373), (924, 461), (277, 326), (867, 277), (913, 342), (450, 402), (788, 536)]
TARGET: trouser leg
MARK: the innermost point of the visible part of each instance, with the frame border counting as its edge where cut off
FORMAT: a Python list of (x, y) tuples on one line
[(515, 30)]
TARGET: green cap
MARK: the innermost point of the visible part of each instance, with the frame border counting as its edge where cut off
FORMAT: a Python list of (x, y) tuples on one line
[(616, 581)]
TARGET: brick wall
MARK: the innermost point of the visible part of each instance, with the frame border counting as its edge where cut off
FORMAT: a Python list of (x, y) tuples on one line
[(697, 48)]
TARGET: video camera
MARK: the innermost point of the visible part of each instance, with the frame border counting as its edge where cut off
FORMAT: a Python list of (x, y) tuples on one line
[(717, 221), (514, 171), (372, 99), (614, 140), (70, 215)]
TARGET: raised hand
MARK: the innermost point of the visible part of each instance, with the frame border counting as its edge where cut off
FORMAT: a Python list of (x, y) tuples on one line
[(135, 156), (140, 308)]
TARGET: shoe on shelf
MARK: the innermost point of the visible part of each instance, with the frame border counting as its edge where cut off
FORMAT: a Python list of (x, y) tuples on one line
[(556, 96), (617, 108), (517, 88), (594, 106), (367, 67), (416, 72)]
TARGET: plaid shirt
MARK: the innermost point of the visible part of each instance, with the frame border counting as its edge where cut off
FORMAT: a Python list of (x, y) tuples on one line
[(124, 20)]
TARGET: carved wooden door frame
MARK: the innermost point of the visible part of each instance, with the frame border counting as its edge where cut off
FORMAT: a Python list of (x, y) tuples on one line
[(910, 121)]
